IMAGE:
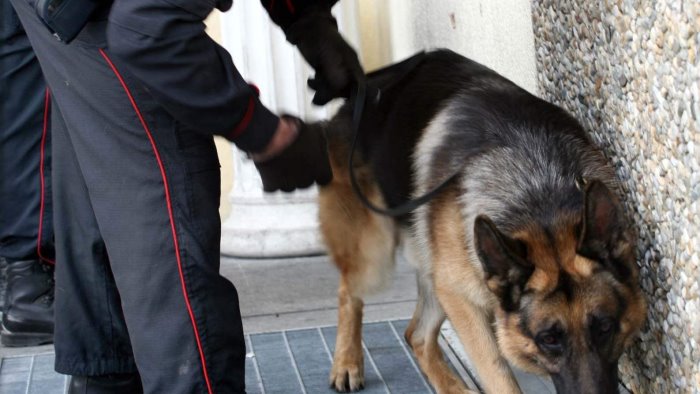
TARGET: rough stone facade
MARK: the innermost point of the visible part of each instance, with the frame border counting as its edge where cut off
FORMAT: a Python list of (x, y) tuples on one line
[(629, 71)]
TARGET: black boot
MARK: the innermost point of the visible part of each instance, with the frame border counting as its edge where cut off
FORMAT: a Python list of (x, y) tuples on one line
[(106, 384), (28, 316), (3, 283)]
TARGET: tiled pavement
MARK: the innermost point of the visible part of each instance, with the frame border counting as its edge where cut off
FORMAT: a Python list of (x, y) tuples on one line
[(289, 311), (305, 365), (30, 375), (290, 361)]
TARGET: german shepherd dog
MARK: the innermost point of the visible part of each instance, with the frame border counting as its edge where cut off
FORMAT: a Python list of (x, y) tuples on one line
[(527, 251)]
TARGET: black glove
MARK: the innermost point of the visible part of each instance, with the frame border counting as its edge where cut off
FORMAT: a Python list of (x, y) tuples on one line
[(337, 68), (302, 163)]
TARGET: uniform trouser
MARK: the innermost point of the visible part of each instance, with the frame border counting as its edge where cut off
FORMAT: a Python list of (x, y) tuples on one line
[(136, 200), (26, 229)]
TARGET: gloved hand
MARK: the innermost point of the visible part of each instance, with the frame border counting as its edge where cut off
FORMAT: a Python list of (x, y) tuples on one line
[(303, 158), (336, 64)]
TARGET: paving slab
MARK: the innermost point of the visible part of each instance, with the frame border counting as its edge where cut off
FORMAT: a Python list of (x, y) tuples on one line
[(281, 362)]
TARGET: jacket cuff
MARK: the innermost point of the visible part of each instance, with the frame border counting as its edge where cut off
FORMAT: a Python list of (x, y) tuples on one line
[(256, 128)]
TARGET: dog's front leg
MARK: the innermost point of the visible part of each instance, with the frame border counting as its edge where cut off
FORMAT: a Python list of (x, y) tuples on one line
[(473, 327), (422, 335), (347, 373)]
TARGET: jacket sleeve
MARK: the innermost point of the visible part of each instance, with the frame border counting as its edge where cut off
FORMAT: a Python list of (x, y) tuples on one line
[(164, 45), (285, 12)]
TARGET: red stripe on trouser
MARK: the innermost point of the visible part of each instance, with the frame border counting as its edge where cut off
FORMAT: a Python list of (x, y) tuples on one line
[(47, 101), (170, 214)]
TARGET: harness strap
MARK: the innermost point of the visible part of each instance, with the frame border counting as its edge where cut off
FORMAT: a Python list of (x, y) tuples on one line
[(359, 98)]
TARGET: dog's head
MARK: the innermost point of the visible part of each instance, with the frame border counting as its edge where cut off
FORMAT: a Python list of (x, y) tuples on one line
[(569, 298)]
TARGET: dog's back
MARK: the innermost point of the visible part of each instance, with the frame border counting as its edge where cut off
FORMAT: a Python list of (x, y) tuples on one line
[(449, 114)]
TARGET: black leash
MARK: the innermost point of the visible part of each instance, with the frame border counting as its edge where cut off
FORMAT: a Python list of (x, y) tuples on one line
[(360, 97)]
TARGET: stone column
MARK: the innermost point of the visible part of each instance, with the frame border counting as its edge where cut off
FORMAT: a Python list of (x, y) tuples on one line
[(263, 225)]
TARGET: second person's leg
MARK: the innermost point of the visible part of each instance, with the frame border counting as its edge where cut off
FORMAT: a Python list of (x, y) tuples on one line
[(26, 229)]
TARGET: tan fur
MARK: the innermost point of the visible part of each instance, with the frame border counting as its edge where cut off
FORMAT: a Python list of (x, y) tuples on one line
[(552, 257), (348, 365), (361, 243), (543, 281), (581, 267), (452, 270), (521, 350), (362, 246), (450, 261), (566, 242), (634, 317), (427, 351), (518, 347), (546, 274)]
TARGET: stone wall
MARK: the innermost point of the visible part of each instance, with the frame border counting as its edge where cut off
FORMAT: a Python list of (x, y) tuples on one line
[(496, 33), (629, 70)]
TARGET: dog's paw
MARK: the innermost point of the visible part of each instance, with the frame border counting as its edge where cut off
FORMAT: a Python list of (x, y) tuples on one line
[(464, 390), (347, 378), (457, 389)]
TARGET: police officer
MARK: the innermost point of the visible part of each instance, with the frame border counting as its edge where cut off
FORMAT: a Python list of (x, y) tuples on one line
[(26, 229), (139, 94)]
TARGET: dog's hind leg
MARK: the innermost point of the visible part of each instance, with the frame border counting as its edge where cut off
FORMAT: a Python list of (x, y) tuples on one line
[(361, 274), (347, 373), (362, 246)]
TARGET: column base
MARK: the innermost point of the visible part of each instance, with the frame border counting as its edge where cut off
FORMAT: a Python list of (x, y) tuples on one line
[(271, 227)]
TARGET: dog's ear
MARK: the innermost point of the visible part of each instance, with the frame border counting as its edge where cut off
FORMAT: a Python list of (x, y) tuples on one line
[(504, 262), (603, 236)]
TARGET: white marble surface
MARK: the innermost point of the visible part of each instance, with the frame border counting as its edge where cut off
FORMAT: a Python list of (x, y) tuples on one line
[(268, 225)]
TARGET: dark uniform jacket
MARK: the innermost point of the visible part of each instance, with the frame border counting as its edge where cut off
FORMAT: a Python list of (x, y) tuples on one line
[(164, 44)]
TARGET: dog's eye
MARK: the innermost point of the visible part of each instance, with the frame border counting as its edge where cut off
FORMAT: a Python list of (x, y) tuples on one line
[(550, 340), (605, 326)]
